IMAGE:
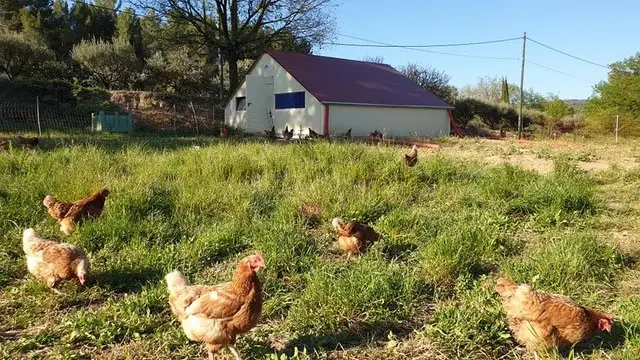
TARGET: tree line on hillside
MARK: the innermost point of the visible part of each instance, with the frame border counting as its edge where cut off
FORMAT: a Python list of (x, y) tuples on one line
[(492, 101), (192, 47), (204, 48)]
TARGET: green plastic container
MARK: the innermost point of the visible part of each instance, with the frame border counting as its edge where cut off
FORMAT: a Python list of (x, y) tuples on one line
[(111, 122)]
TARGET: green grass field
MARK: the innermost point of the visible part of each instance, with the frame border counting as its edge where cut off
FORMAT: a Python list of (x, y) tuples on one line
[(425, 291)]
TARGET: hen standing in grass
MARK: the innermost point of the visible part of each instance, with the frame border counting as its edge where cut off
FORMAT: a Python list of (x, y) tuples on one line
[(216, 314), (286, 133), (541, 321), (54, 262), (270, 134), (411, 159), (26, 141), (69, 213), (354, 237)]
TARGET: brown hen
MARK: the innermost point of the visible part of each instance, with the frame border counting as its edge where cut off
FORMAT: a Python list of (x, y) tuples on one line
[(54, 262), (217, 314), (541, 321), (286, 133), (411, 159), (69, 213), (353, 237)]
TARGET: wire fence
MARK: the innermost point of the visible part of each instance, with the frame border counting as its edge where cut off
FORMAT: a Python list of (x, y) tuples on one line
[(43, 117), (35, 116)]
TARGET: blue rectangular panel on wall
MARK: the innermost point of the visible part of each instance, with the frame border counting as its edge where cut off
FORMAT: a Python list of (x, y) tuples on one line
[(293, 100)]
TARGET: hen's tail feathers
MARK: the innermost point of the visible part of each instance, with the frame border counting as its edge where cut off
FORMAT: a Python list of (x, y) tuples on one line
[(175, 282), (29, 238), (29, 234), (336, 222), (506, 287)]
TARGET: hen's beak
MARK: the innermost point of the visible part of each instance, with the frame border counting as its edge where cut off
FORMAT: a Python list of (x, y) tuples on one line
[(82, 279)]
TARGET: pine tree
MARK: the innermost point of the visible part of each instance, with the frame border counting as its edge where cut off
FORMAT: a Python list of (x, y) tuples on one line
[(57, 34), (128, 29), (505, 91)]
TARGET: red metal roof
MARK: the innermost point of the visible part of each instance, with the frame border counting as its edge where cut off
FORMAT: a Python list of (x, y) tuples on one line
[(333, 81)]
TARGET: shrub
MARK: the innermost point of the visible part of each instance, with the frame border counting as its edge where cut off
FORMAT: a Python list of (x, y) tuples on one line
[(109, 65)]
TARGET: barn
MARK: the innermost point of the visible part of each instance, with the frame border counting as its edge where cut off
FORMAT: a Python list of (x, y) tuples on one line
[(332, 95)]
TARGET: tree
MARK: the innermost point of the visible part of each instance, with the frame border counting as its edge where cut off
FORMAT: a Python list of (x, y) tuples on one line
[(20, 56), (10, 14), (129, 29), (505, 91), (489, 88), (557, 109), (432, 80), (58, 35), (152, 33), (619, 96), (374, 59), (103, 19), (80, 18), (238, 28), (532, 99), (177, 72), (109, 65), (30, 24)]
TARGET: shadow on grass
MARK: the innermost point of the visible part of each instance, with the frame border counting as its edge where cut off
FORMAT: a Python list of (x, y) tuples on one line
[(126, 280), (399, 252), (608, 341), (347, 339)]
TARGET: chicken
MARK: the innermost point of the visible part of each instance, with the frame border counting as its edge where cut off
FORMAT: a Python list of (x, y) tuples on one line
[(315, 135), (346, 135), (286, 133), (376, 134), (68, 214), (217, 314), (270, 134), (54, 262), (224, 132), (354, 237), (541, 321), (26, 141), (411, 159), (5, 144)]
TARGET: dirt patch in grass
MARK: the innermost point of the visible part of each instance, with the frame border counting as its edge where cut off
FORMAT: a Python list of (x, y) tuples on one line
[(525, 161)]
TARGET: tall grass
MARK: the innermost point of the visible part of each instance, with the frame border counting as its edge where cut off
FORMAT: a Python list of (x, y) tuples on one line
[(445, 225)]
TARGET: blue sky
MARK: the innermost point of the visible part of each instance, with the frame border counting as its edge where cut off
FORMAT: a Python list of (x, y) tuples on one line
[(599, 31)]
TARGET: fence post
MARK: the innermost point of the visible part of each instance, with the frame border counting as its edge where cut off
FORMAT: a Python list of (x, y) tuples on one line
[(617, 121), (174, 117), (194, 117), (38, 115)]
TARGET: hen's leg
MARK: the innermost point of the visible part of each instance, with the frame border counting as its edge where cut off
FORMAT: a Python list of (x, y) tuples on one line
[(234, 351), (210, 355)]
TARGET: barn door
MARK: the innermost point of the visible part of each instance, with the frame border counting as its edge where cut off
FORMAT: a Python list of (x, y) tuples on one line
[(259, 103)]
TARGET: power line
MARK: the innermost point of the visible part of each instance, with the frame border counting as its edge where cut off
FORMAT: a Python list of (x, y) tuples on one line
[(569, 55), (381, 44), (548, 68), (421, 47)]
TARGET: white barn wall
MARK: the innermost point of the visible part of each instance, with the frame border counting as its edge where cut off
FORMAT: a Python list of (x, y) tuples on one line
[(398, 121), (312, 116)]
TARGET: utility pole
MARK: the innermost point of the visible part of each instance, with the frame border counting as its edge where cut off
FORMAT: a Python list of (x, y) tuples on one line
[(524, 49), (617, 121)]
